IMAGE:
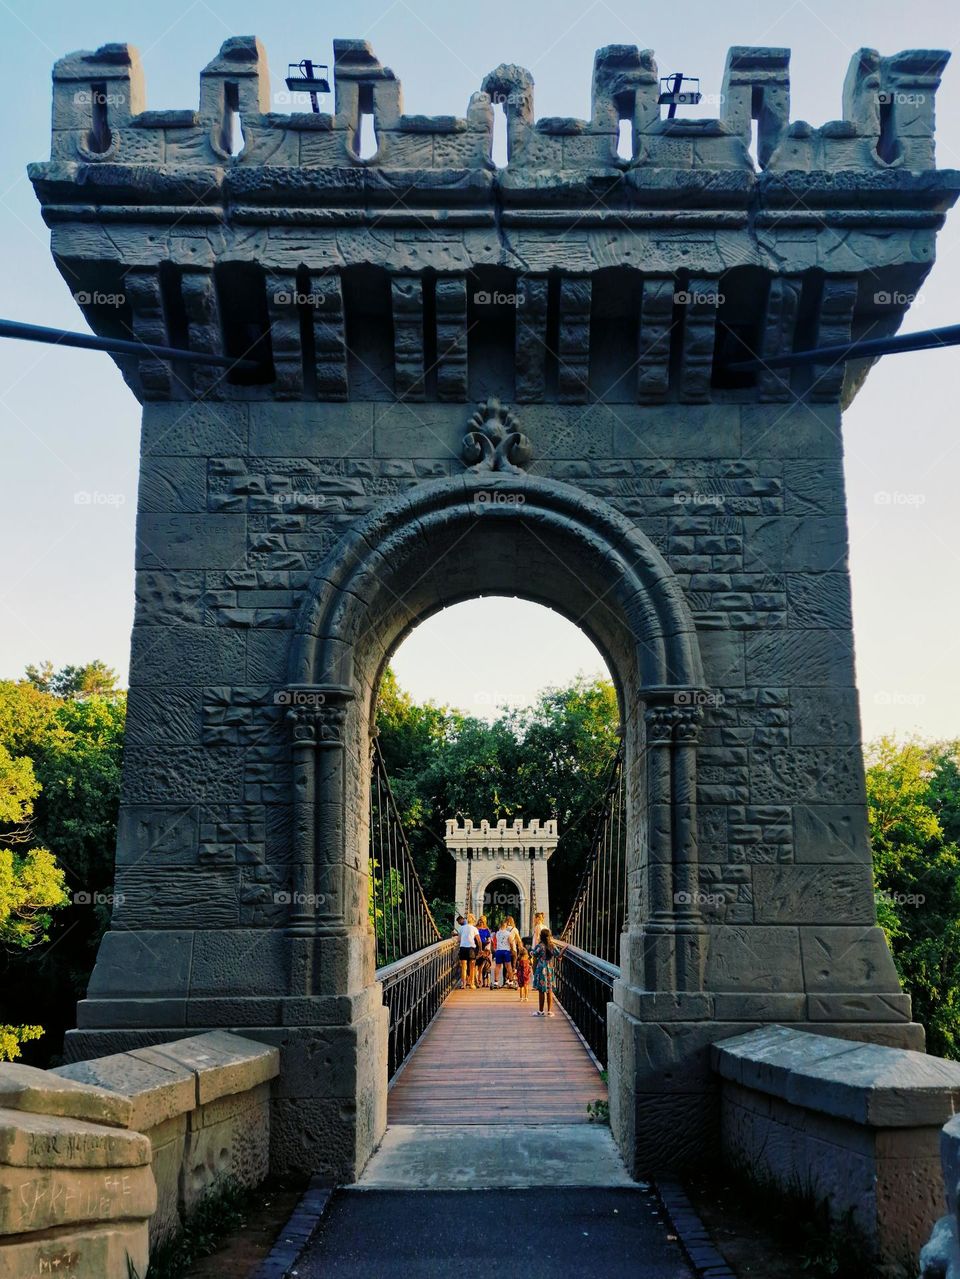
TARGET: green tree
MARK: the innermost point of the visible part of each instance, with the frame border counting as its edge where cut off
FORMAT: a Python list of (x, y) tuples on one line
[(31, 882), (550, 760), (913, 798), (73, 746), (94, 679)]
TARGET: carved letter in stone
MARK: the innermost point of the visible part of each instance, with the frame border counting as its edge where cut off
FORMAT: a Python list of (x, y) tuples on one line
[(494, 441)]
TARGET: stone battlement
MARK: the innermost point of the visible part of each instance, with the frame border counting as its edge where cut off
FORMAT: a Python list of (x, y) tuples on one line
[(100, 117), (500, 835), (424, 272)]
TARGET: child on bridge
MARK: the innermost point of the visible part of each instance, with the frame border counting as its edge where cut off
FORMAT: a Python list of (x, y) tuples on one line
[(543, 957)]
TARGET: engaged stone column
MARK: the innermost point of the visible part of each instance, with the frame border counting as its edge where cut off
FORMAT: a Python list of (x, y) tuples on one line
[(686, 863), (317, 719), (672, 946)]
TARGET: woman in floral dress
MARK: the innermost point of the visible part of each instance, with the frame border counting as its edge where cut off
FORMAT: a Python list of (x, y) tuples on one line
[(543, 957)]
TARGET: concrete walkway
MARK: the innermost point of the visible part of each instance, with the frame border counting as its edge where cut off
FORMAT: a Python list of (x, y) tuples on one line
[(498, 1156)]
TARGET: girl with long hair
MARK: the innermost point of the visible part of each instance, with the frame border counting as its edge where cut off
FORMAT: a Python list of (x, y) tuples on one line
[(543, 956)]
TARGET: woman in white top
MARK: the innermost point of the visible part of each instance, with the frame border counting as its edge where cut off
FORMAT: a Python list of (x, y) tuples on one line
[(469, 939), (507, 941)]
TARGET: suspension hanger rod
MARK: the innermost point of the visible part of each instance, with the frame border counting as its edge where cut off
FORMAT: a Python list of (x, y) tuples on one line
[(925, 340), (121, 346)]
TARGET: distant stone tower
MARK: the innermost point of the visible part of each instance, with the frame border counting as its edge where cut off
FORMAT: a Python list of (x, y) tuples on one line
[(466, 381), (517, 853)]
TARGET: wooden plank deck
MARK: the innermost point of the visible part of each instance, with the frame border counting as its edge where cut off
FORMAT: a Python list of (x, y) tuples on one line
[(486, 1059)]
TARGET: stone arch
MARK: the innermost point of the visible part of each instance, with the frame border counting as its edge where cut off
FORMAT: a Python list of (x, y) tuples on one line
[(490, 876), (509, 534)]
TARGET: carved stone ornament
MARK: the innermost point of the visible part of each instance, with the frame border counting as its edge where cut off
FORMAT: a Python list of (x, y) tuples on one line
[(494, 442), (668, 723), (318, 725)]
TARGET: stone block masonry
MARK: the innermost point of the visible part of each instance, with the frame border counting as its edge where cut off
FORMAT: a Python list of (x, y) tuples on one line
[(856, 1125), (477, 380), (103, 1160)]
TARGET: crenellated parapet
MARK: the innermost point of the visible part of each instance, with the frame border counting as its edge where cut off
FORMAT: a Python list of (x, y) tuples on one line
[(240, 229), (100, 116), (496, 837)]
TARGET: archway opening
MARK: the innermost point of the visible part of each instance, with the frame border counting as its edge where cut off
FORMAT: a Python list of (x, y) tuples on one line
[(500, 716), (486, 533), (500, 900)]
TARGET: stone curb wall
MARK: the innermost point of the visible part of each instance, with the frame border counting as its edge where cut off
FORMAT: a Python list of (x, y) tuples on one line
[(940, 1259), (857, 1124), (102, 1160)]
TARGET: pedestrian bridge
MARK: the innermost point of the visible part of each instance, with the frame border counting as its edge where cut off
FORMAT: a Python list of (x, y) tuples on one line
[(417, 970)]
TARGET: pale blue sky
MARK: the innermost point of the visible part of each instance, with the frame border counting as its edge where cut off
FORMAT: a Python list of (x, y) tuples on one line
[(69, 424)]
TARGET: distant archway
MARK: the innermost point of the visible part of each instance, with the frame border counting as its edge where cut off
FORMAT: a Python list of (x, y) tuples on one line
[(500, 895)]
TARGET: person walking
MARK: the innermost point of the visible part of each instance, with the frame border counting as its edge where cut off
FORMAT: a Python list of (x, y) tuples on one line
[(484, 963), (543, 956), (469, 940), (506, 946), (524, 970), (483, 968)]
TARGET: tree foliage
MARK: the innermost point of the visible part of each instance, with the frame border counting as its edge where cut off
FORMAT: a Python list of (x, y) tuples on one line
[(94, 679), (549, 760), (913, 796), (31, 882), (60, 755)]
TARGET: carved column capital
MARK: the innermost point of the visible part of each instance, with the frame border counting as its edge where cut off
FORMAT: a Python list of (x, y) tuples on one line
[(660, 722), (316, 714), (687, 724), (676, 720)]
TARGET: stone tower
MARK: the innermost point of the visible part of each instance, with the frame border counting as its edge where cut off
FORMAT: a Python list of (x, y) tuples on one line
[(517, 853), (298, 517)]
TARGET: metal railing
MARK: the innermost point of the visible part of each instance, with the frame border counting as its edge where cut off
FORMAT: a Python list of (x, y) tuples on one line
[(599, 912), (413, 989), (416, 964), (584, 985), (590, 941), (401, 919)]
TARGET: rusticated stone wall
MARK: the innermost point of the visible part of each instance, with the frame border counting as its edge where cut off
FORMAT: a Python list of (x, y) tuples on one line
[(103, 1160), (856, 1126)]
